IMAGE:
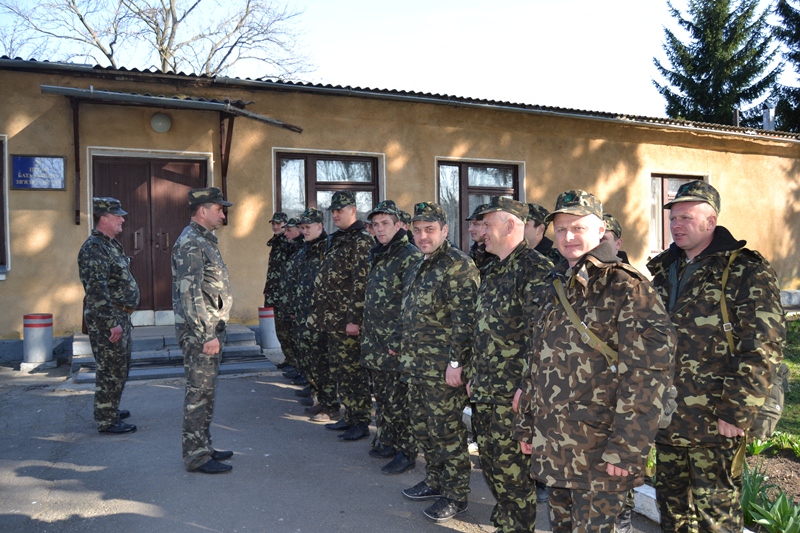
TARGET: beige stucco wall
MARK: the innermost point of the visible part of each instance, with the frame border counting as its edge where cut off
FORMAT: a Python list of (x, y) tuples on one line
[(756, 178)]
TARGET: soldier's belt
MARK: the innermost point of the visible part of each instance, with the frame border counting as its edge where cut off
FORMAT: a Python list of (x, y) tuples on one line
[(125, 308)]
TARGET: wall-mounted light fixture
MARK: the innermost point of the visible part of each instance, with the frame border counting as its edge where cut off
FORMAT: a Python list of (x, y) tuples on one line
[(160, 123)]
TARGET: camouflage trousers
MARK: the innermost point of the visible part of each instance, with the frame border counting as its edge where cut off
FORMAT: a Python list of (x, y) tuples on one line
[(696, 490), (352, 379), (284, 330), (506, 469), (441, 436), (391, 417), (312, 361), (113, 360), (582, 511), (198, 403)]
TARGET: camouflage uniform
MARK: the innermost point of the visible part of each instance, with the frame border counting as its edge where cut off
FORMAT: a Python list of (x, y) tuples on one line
[(578, 413), (481, 258), (381, 333), (201, 299), (338, 300), (281, 249), (545, 247), (439, 298), (283, 296), (696, 489), (111, 295), (505, 299)]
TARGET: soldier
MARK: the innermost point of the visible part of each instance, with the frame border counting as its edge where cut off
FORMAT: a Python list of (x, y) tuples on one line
[(405, 223), (478, 251), (592, 397), (281, 250), (111, 296), (283, 295), (721, 386), (337, 310), (502, 331), (535, 228), (439, 296), (312, 345), (201, 299), (613, 235), (390, 259)]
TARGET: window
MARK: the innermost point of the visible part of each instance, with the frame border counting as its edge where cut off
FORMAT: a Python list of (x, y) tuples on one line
[(464, 186), (310, 180), (3, 231), (663, 188)]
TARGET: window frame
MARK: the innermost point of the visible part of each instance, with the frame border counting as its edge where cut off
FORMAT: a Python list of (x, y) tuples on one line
[(662, 225), (5, 240)]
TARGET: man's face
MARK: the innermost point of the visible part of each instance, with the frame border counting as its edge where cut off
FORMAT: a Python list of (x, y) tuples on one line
[(533, 233), (311, 231), (611, 237), (213, 216), (278, 227), (494, 231), (292, 233), (428, 236), (345, 217), (475, 230), (385, 227), (576, 235), (692, 226), (111, 224)]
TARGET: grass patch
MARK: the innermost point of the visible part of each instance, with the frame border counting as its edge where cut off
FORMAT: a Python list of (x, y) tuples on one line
[(790, 420)]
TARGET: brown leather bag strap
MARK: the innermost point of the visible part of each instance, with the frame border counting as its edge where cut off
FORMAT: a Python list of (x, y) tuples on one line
[(727, 326)]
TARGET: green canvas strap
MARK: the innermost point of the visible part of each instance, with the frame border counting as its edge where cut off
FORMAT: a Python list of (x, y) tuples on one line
[(586, 334), (727, 326)]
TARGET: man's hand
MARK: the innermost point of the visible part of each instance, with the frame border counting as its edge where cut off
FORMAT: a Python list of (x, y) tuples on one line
[(612, 470), (211, 347), (729, 430), (515, 401), (453, 376), (116, 334), (352, 329), (469, 389), (525, 447)]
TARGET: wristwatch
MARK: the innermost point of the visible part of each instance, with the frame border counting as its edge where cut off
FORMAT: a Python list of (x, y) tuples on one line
[(454, 364)]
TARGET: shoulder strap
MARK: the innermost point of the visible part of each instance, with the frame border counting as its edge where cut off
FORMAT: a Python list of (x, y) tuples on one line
[(727, 326), (586, 334)]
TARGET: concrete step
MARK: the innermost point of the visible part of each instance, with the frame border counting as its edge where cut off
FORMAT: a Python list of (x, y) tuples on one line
[(169, 357), (232, 366)]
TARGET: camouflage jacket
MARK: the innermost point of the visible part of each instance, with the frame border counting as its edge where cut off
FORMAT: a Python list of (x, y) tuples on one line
[(338, 297), (481, 258), (578, 412), (201, 292), (439, 296), (506, 301), (304, 267), (281, 250), (546, 248), (383, 305), (285, 289), (106, 275), (712, 382)]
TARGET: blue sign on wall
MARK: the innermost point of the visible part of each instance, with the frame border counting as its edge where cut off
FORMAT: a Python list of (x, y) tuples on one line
[(37, 172)]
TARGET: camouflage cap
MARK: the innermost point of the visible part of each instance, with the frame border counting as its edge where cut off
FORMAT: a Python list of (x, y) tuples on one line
[(341, 199), (477, 214), (386, 207), (537, 213), (577, 202), (310, 216), (696, 191), (612, 224), (292, 223), (429, 212), (207, 195), (105, 204), (405, 217), (509, 205), (280, 218)]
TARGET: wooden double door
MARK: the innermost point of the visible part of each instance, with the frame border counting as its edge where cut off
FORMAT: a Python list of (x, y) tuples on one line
[(153, 192)]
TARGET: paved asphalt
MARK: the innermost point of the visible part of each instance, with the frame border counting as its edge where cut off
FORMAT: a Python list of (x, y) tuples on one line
[(58, 474)]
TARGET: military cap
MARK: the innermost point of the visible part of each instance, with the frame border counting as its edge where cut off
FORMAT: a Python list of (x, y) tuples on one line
[(280, 217), (429, 212), (105, 204), (477, 214), (612, 224), (310, 216), (537, 213), (341, 199), (577, 202), (292, 223), (696, 191), (405, 217), (387, 207), (207, 195), (509, 205)]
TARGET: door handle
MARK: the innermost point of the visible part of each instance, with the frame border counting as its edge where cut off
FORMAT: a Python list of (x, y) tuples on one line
[(166, 235)]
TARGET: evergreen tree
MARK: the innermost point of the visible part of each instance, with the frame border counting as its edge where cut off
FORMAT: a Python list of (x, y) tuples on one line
[(787, 112), (727, 64)]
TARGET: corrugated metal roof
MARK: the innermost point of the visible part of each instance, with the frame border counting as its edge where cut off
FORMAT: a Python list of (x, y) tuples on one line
[(392, 94)]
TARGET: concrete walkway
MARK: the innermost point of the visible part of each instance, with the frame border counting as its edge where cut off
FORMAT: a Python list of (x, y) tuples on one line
[(57, 474)]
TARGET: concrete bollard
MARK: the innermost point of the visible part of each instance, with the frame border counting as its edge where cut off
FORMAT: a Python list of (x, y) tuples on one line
[(37, 341), (266, 323)]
